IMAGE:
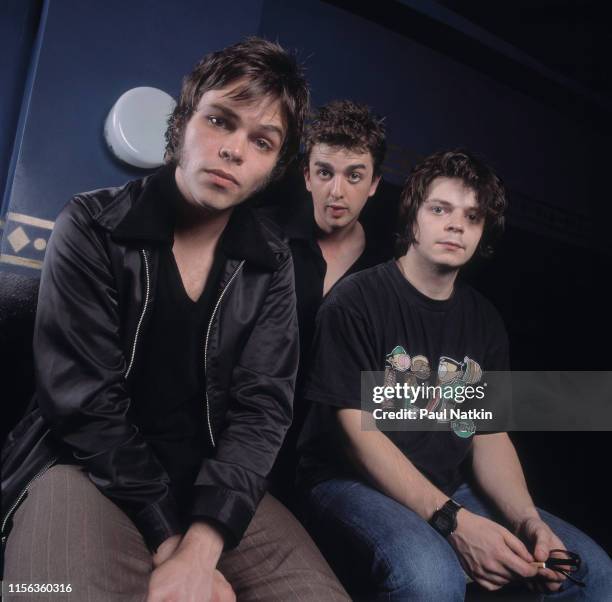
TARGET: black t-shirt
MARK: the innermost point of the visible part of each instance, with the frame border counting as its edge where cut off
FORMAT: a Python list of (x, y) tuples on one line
[(377, 321), (169, 389)]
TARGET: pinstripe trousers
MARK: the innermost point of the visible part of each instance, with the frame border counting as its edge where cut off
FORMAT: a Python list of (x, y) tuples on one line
[(67, 532)]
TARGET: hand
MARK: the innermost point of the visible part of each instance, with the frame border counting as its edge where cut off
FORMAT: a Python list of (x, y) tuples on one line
[(222, 590), (488, 552), (542, 540), (166, 549), (177, 581), (181, 578), (188, 574)]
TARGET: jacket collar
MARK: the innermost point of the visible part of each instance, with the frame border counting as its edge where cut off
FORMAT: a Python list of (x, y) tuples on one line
[(298, 219), (151, 218), (152, 214)]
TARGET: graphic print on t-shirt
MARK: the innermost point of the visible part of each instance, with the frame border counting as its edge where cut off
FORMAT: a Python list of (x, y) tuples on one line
[(401, 368)]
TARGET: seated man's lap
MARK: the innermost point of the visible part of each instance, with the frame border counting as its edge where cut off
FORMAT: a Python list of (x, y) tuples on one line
[(66, 531), (596, 569), (378, 546), (277, 560)]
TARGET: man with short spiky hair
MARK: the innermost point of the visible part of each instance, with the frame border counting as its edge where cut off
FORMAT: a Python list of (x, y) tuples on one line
[(393, 511), (166, 349), (344, 149)]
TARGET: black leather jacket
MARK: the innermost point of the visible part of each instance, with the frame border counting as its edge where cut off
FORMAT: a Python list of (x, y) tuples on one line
[(96, 293)]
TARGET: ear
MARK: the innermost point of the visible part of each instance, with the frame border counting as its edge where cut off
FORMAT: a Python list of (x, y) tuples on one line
[(415, 231), (307, 178), (374, 185)]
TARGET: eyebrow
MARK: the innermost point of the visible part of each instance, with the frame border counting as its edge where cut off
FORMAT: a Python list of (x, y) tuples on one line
[(274, 129), (439, 202), (330, 167), (268, 127), (226, 110), (447, 204)]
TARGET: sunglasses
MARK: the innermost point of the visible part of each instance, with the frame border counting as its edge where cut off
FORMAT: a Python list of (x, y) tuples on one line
[(564, 562)]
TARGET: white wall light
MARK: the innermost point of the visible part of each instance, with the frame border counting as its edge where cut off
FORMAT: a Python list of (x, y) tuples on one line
[(134, 128)]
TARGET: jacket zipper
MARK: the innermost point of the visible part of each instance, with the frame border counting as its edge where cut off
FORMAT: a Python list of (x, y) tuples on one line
[(144, 310), (127, 372), (21, 496), (210, 323)]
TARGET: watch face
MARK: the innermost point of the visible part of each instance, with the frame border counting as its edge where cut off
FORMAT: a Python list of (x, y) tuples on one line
[(443, 523)]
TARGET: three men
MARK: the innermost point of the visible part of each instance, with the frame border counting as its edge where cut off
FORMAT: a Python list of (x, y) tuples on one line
[(166, 352), (344, 148), (166, 349), (394, 511)]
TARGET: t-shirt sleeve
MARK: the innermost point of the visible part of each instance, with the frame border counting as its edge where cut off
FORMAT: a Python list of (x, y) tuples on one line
[(342, 348)]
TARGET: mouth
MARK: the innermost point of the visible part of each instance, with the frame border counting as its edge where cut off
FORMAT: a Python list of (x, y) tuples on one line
[(451, 244), (336, 207), (223, 176)]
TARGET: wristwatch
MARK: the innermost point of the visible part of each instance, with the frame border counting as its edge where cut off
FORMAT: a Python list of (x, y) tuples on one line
[(444, 520)]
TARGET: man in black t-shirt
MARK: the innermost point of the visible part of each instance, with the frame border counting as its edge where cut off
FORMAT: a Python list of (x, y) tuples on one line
[(393, 511)]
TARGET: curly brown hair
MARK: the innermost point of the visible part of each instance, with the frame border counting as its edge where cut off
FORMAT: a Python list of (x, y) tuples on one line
[(346, 124), (475, 174), (269, 71)]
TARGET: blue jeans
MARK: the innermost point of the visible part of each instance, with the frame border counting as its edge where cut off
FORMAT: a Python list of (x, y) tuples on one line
[(381, 550)]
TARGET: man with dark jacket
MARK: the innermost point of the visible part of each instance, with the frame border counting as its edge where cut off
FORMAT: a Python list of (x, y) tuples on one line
[(166, 349), (330, 235)]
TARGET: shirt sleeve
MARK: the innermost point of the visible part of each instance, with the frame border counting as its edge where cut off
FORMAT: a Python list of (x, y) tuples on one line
[(230, 485), (343, 347)]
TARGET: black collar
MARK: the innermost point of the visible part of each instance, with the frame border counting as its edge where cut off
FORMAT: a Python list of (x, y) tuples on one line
[(152, 218), (152, 215), (298, 219)]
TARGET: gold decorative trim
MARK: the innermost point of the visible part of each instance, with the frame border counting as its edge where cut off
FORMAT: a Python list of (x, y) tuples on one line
[(21, 261), (29, 220)]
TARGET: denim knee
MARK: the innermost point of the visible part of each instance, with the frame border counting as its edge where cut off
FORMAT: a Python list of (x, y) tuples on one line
[(596, 568), (433, 573), (596, 572)]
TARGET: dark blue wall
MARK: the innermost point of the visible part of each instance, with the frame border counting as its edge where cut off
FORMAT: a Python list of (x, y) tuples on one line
[(433, 101), (18, 25), (90, 53)]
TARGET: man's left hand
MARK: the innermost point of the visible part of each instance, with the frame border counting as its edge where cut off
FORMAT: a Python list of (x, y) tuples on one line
[(189, 573), (540, 538), (182, 579)]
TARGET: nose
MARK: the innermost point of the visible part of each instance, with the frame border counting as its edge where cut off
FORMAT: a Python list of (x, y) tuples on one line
[(232, 149), (456, 222), (337, 190)]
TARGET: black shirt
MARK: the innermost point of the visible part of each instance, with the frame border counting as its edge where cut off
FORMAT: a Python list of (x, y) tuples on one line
[(377, 321), (310, 269), (169, 381), (298, 223), (169, 390)]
